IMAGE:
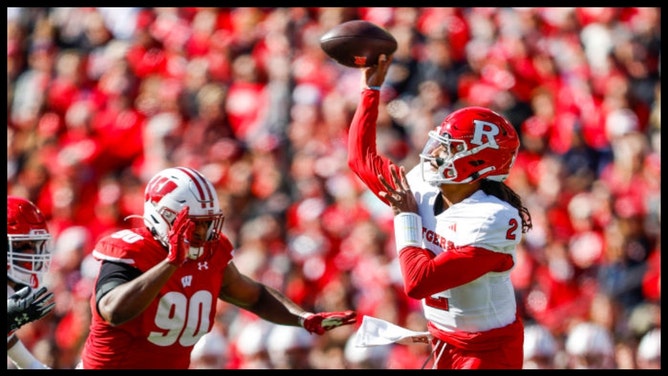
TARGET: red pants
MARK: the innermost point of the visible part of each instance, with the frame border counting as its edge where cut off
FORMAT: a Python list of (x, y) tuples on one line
[(508, 354)]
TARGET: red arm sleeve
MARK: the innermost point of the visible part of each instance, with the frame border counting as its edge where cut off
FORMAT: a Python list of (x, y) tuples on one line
[(425, 274), (363, 157)]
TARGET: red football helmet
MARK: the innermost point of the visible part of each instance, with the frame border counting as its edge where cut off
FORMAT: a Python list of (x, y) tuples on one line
[(472, 143), (29, 243)]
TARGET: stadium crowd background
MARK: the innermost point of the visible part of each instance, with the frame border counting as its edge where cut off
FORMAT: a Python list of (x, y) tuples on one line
[(100, 99)]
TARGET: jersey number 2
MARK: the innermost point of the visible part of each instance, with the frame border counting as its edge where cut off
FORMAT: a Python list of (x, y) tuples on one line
[(510, 234)]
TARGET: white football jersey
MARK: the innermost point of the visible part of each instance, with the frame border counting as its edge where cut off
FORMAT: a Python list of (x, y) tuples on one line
[(481, 221)]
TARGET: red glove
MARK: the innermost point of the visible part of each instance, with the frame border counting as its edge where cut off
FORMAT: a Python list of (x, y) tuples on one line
[(182, 230), (321, 322)]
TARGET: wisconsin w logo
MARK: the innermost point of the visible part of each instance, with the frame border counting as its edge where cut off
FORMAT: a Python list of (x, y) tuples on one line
[(158, 188), (187, 281)]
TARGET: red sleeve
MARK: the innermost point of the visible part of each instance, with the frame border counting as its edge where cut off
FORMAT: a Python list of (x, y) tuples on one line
[(425, 274), (363, 157)]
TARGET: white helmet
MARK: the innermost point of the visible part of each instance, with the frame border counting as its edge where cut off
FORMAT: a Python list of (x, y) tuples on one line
[(589, 338), (591, 346), (649, 348), (171, 190), (210, 351), (538, 341), (283, 343)]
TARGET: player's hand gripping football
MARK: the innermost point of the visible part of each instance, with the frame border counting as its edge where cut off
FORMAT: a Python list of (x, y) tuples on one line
[(374, 76), (321, 322), (179, 238), (28, 305)]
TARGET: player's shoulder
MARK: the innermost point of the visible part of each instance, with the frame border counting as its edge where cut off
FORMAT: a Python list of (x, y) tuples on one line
[(226, 242), (488, 203), (128, 237), (225, 250), (481, 209), (125, 245)]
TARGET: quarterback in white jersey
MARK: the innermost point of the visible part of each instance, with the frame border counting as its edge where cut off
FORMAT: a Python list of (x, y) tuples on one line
[(480, 220), (456, 227)]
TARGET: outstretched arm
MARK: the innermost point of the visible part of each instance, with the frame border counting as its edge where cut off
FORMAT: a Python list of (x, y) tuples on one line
[(271, 305)]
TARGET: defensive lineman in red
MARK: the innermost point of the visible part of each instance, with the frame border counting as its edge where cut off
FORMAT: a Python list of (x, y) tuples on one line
[(456, 227), (156, 291)]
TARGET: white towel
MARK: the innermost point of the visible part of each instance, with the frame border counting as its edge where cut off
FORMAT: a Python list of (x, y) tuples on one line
[(375, 332)]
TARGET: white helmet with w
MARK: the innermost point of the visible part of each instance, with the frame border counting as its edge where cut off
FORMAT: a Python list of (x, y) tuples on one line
[(171, 190)]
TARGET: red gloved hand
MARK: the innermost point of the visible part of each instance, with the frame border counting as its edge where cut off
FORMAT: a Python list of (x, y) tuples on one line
[(182, 230), (321, 322)]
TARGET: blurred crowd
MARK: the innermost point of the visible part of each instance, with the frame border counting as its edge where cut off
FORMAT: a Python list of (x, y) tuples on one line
[(100, 99)]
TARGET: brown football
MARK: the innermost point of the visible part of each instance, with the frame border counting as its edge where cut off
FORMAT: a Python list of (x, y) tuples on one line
[(357, 43)]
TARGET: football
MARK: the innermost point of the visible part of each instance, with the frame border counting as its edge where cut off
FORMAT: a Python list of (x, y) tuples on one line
[(357, 43)]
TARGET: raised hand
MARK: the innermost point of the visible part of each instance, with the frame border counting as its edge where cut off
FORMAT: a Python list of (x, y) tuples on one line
[(374, 76), (179, 235)]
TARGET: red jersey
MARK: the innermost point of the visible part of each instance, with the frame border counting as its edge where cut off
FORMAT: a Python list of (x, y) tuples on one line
[(164, 334)]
